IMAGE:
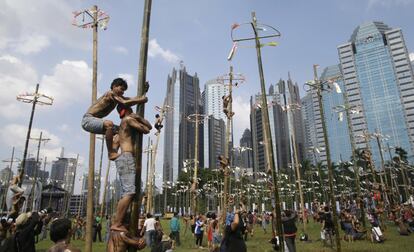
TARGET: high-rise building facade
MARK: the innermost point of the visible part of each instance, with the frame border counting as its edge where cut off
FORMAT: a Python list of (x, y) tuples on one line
[(183, 94), (63, 172), (214, 133), (294, 107), (335, 120), (246, 150), (278, 131), (309, 127), (379, 78), (215, 142)]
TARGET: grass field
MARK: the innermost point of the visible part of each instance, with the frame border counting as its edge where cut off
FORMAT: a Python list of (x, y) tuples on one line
[(259, 242)]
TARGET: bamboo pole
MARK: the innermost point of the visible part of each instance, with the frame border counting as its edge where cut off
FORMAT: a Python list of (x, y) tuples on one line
[(142, 71), (91, 171)]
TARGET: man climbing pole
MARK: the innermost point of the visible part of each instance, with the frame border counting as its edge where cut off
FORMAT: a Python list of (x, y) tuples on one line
[(131, 124), (93, 121)]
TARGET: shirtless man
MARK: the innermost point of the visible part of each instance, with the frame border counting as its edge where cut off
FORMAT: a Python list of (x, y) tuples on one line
[(125, 161), (14, 185), (158, 124), (226, 100), (224, 163), (93, 121)]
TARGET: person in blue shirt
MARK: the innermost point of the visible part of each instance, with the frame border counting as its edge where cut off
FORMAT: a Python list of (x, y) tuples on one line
[(199, 231), (175, 229)]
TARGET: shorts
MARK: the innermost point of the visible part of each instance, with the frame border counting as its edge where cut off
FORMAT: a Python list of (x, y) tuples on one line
[(217, 238), (16, 189), (125, 165), (93, 124)]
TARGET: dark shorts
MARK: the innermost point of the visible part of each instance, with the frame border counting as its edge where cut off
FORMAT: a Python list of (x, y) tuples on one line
[(125, 165)]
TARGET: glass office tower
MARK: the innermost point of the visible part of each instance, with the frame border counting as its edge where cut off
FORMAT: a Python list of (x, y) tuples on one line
[(378, 77)]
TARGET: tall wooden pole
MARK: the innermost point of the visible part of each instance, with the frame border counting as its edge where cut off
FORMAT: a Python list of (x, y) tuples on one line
[(91, 171), (72, 189), (142, 72), (105, 189), (149, 183), (148, 167), (151, 177), (268, 140), (26, 145), (289, 111), (353, 149), (226, 151), (195, 175), (328, 159), (98, 189), (32, 201)]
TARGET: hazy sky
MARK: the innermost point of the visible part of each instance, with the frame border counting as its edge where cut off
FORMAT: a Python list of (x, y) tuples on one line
[(38, 44)]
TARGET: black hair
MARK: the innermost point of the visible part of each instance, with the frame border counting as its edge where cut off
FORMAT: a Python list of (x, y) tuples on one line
[(288, 213), (149, 215), (119, 82), (59, 229), (157, 115)]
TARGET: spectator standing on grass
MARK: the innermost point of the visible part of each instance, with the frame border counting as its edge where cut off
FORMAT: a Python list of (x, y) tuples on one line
[(149, 229), (175, 228), (97, 229), (289, 229), (199, 231), (233, 237)]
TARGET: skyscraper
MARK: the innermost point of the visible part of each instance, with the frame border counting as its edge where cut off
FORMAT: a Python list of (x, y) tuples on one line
[(246, 154), (183, 94), (309, 126), (336, 123), (214, 133), (63, 171), (378, 77), (278, 129)]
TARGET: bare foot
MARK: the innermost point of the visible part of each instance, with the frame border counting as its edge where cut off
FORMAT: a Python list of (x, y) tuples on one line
[(120, 228), (113, 155)]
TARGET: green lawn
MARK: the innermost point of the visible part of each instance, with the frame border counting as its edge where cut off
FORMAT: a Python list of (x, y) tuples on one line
[(259, 243)]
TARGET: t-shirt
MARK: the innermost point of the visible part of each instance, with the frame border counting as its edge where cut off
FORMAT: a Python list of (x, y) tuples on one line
[(199, 227), (149, 224)]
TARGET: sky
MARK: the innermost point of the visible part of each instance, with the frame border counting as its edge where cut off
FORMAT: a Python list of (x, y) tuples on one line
[(39, 44)]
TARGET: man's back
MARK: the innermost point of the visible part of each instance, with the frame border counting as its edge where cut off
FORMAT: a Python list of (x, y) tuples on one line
[(103, 106), (174, 224), (149, 224)]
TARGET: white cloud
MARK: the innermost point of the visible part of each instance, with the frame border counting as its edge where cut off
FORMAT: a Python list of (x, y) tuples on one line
[(44, 20), (155, 50), (241, 119), (32, 44), (16, 77), (15, 135), (411, 56), (120, 49), (69, 83), (129, 79)]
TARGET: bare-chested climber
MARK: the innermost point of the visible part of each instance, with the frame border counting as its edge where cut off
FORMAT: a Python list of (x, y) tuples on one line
[(158, 124), (93, 121), (125, 161), (226, 101)]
